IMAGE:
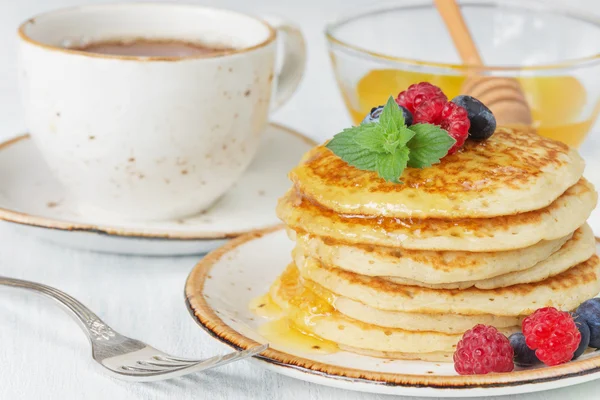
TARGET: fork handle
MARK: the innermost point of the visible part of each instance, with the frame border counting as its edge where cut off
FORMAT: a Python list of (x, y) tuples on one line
[(91, 324)]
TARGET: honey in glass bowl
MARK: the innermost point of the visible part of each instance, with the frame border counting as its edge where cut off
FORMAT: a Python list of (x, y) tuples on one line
[(542, 48)]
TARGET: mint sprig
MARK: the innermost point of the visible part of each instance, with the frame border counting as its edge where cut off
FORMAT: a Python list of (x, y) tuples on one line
[(429, 145), (389, 146)]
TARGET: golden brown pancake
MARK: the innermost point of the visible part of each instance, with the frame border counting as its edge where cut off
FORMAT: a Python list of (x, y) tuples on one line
[(446, 323), (559, 219), (434, 356), (428, 267), (564, 291), (575, 251), (512, 172)]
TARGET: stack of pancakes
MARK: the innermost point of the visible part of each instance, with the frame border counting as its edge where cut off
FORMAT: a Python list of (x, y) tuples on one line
[(488, 236)]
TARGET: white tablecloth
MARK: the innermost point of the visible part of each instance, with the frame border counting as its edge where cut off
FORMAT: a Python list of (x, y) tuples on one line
[(43, 355)]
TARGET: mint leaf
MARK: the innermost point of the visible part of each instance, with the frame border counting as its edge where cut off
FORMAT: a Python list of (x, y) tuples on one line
[(371, 137), (342, 140), (395, 131), (391, 166), (397, 139), (367, 162), (392, 117), (345, 146), (429, 144)]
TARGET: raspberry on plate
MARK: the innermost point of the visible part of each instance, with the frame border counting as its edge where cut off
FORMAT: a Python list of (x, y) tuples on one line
[(417, 93), (482, 350), (552, 334), (455, 120)]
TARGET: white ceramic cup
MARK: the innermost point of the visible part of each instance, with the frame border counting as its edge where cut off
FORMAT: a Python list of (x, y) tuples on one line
[(156, 137)]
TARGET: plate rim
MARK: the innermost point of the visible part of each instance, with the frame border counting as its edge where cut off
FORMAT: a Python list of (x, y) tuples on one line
[(23, 218), (210, 322)]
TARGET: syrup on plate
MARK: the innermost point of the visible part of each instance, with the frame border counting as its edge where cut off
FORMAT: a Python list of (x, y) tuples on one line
[(282, 332)]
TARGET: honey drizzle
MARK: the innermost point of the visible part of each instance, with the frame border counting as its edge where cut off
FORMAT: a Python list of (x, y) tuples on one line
[(264, 306), (284, 333), (289, 328)]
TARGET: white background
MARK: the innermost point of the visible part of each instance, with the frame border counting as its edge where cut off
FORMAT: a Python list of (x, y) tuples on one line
[(43, 355)]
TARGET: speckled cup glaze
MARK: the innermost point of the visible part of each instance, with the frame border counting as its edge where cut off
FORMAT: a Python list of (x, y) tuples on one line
[(152, 138)]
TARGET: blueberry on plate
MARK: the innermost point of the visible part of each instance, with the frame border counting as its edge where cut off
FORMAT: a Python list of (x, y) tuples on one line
[(375, 113), (483, 122), (589, 311), (585, 335), (524, 356)]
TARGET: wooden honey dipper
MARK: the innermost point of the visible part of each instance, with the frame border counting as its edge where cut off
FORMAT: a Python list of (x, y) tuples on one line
[(502, 95)]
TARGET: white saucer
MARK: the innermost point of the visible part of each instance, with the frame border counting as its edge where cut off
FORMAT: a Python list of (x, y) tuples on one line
[(220, 288), (32, 198)]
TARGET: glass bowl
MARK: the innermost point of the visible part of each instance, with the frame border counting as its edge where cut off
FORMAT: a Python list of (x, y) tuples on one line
[(552, 51)]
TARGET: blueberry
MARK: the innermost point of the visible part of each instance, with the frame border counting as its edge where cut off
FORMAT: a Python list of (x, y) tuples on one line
[(524, 356), (585, 335), (589, 311), (373, 116), (483, 122), (408, 117)]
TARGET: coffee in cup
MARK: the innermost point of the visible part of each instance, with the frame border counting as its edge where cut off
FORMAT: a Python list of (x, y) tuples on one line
[(142, 47)]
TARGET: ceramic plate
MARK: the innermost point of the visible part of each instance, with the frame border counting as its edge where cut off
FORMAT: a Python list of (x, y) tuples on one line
[(221, 286), (32, 198)]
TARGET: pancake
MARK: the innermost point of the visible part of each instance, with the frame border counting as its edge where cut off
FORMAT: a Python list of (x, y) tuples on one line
[(512, 172), (306, 310), (564, 291), (563, 216), (428, 267), (445, 323), (581, 247), (435, 356)]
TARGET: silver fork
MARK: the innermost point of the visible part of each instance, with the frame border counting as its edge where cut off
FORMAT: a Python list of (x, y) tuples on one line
[(123, 357)]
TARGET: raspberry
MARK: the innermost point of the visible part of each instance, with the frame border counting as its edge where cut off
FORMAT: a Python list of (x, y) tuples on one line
[(483, 350), (429, 105), (412, 97), (552, 334), (455, 120), (430, 111)]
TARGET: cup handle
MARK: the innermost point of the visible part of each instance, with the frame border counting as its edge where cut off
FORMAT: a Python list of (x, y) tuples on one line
[(293, 60)]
